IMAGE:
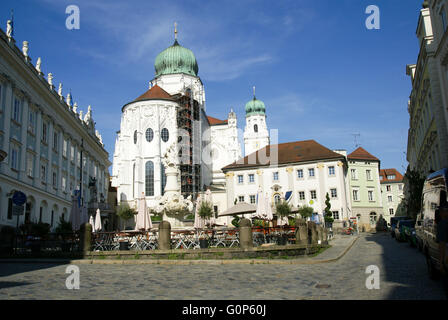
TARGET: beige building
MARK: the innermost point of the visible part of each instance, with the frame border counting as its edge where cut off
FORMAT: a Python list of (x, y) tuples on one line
[(428, 134)]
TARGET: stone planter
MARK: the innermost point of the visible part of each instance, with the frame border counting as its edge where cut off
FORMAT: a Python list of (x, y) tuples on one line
[(203, 243), (124, 245)]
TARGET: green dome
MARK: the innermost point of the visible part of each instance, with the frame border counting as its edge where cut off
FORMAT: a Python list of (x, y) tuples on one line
[(255, 106), (176, 59)]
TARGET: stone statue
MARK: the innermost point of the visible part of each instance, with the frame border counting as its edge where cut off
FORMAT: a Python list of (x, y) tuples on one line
[(80, 115), (88, 116), (169, 158), (25, 49), (50, 79), (38, 63), (69, 99), (60, 90), (9, 29), (75, 107)]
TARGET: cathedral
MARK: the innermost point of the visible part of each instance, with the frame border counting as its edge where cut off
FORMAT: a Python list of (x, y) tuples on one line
[(172, 113)]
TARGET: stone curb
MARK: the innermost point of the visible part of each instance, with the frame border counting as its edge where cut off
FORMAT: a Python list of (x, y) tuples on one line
[(184, 262)]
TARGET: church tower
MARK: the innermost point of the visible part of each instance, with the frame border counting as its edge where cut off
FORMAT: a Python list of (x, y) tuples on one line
[(256, 135)]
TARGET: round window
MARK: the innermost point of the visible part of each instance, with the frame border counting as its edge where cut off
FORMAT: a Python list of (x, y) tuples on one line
[(149, 134), (165, 135)]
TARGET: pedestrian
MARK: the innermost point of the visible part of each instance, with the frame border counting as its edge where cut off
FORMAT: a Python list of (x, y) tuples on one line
[(442, 239)]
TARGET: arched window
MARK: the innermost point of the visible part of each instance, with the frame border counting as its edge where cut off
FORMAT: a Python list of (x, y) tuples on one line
[(277, 198), (149, 179), (163, 178), (255, 128), (149, 134), (165, 135), (373, 218), (135, 136)]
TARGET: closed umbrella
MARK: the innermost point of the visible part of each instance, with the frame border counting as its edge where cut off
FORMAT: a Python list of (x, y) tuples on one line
[(98, 226), (268, 209), (92, 223), (84, 215), (143, 220), (261, 203)]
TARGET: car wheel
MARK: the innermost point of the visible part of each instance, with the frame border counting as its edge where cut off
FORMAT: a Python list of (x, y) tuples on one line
[(432, 271)]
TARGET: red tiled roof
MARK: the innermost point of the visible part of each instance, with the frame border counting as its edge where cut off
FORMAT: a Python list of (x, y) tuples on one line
[(155, 93), (389, 172), (291, 152), (214, 121), (361, 154)]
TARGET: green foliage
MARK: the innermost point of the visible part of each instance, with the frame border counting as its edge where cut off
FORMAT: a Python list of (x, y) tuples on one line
[(64, 226), (40, 229), (328, 214), (236, 221), (156, 218), (414, 182), (125, 212), (257, 223), (205, 210), (189, 217), (283, 209), (305, 211)]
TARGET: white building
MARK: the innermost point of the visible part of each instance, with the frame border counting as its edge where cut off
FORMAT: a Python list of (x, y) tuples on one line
[(44, 135), (172, 113), (305, 168), (392, 186), (256, 135)]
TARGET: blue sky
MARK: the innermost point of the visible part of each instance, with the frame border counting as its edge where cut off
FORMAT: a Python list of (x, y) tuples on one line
[(320, 72)]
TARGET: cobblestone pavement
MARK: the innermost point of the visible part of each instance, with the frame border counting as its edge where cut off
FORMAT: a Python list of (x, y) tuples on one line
[(403, 275)]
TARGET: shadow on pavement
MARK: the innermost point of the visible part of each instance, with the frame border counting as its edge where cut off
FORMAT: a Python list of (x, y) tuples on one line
[(11, 268), (10, 284), (406, 266)]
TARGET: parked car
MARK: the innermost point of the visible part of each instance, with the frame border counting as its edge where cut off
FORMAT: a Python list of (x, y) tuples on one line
[(419, 234), (434, 194), (393, 224), (403, 226)]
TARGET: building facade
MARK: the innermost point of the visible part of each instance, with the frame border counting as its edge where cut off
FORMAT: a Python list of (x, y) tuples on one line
[(45, 138), (364, 185), (428, 134), (172, 115), (392, 186), (304, 169)]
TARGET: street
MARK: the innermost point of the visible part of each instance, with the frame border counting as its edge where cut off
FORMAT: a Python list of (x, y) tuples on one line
[(403, 275)]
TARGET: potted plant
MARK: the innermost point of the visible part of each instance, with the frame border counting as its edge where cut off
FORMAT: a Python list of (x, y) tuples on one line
[(205, 212), (305, 212), (328, 214), (283, 210), (125, 213)]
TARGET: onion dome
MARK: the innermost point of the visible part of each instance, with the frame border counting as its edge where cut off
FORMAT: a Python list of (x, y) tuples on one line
[(176, 59), (254, 107)]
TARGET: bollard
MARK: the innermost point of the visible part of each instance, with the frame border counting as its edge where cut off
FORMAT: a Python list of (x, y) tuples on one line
[(312, 233), (246, 234), (301, 232), (85, 237), (164, 235)]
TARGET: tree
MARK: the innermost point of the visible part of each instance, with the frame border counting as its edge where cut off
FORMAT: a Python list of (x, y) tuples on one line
[(283, 209), (205, 210), (64, 226), (125, 212), (413, 199), (328, 214), (305, 211)]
